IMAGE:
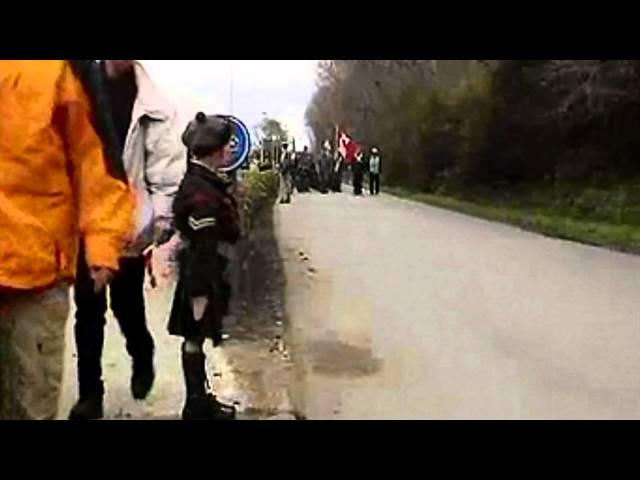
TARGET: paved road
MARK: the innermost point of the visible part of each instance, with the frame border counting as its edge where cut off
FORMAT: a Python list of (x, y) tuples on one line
[(400, 310)]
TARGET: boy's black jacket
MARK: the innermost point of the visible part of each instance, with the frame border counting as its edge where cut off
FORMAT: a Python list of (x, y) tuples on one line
[(205, 213)]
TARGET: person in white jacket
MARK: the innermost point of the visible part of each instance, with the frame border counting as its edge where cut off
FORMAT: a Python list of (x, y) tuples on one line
[(374, 172), (145, 125)]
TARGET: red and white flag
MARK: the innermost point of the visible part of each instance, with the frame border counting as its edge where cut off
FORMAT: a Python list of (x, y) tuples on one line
[(347, 147)]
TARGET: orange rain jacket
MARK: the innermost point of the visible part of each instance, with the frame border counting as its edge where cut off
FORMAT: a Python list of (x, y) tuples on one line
[(54, 184)]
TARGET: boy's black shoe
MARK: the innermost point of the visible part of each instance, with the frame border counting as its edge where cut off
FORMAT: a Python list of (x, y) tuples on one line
[(88, 408), (207, 407)]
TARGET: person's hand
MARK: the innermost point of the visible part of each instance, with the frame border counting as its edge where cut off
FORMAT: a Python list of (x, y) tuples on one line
[(162, 231), (199, 304), (101, 276)]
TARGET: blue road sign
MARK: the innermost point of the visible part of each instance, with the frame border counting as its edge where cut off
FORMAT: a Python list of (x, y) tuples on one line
[(240, 145)]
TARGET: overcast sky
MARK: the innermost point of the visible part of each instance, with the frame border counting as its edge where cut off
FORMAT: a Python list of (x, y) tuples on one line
[(280, 88)]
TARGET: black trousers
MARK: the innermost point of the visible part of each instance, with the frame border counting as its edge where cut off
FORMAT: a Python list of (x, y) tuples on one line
[(127, 304), (358, 177), (374, 183)]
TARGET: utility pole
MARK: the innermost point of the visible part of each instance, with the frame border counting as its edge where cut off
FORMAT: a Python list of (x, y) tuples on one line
[(231, 89), (262, 138)]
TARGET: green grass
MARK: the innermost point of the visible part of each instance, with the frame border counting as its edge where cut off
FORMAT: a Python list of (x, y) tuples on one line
[(618, 236)]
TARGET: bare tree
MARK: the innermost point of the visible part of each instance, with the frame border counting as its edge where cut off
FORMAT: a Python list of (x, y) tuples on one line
[(587, 88)]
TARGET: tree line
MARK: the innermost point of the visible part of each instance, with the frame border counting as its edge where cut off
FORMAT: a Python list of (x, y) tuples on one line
[(485, 121)]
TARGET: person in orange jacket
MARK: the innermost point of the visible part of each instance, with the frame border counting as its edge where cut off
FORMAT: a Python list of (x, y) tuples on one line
[(55, 187)]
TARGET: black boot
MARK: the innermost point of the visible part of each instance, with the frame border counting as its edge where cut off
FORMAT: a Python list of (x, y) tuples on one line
[(142, 378), (207, 408), (89, 407), (200, 404)]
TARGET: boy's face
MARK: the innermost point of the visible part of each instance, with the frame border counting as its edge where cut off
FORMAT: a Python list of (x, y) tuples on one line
[(223, 157), (227, 152)]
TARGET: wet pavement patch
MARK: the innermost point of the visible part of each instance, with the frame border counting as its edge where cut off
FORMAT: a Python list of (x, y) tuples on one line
[(338, 359)]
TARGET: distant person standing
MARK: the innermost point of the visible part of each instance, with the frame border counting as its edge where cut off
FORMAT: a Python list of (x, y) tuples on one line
[(286, 177), (325, 166), (304, 171), (336, 173), (357, 170), (374, 172)]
